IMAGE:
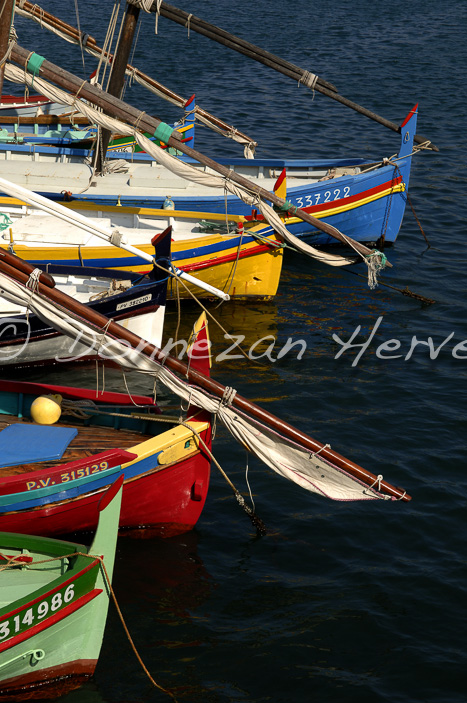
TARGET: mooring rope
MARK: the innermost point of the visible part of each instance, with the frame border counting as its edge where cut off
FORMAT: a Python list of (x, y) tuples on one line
[(12, 563)]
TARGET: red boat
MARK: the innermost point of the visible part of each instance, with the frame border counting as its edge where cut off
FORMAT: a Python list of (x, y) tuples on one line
[(61, 447), (166, 473)]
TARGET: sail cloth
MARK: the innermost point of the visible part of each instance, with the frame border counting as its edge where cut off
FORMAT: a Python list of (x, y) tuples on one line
[(217, 125), (181, 169), (286, 457)]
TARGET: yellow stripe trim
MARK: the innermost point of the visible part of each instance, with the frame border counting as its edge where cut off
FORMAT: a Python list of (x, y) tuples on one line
[(161, 443)]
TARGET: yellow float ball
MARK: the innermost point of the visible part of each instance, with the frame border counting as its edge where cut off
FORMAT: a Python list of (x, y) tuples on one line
[(46, 409)]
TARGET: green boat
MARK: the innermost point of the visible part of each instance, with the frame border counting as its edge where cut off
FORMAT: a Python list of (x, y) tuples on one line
[(54, 597)]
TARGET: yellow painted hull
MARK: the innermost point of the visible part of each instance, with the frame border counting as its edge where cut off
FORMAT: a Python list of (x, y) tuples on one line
[(242, 266)]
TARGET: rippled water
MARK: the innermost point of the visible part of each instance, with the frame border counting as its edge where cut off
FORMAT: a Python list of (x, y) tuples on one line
[(340, 602)]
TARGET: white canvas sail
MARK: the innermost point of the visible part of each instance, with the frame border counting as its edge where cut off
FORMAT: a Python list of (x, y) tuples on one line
[(179, 168), (290, 459)]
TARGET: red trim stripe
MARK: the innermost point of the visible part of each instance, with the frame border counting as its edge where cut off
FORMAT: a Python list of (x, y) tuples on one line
[(48, 622), (227, 259), (12, 613), (411, 113)]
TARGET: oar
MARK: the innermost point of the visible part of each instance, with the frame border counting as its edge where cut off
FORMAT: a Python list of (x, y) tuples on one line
[(8, 265), (265, 57), (117, 108), (84, 223)]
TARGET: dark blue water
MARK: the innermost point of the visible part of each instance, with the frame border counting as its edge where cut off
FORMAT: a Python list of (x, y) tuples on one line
[(339, 602)]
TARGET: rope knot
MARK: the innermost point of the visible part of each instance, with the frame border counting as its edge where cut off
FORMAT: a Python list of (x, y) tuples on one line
[(376, 261), (308, 79), (228, 396), (33, 280), (377, 482)]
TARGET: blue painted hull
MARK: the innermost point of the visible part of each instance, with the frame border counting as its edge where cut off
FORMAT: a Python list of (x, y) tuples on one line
[(367, 205)]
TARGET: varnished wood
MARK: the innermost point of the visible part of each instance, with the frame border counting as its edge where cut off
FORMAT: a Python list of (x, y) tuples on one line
[(90, 42), (117, 76), (99, 323), (44, 119)]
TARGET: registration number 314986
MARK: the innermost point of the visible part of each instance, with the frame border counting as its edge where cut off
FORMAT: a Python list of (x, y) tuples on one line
[(36, 613)]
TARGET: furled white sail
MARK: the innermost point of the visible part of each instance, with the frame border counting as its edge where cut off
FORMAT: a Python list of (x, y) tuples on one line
[(290, 459), (181, 169)]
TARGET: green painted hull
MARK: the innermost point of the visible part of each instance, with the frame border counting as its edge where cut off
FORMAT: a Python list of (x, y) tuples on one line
[(53, 613)]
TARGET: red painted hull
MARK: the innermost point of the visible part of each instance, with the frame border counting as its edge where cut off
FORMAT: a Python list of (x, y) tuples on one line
[(161, 502), (48, 683)]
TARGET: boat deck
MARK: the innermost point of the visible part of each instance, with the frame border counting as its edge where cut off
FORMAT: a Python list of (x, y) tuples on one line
[(90, 440)]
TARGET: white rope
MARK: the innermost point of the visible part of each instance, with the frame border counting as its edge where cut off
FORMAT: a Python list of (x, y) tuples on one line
[(157, 13), (135, 75), (184, 170), (228, 396), (187, 23), (325, 446), (32, 284), (287, 457), (308, 79), (377, 482), (33, 280), (80, 36)]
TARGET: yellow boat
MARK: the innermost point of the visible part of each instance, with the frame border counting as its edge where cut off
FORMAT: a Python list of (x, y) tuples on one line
[(236, 258)]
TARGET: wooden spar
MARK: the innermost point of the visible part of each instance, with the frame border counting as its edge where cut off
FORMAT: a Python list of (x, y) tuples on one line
[(232, 42), (117, 108), (243, 47), (6, 18), (86, 40), (8, 264), (117, 75), (27, 268), (65, 119)]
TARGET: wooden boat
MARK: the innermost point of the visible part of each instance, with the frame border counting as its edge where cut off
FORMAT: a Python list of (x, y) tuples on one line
[(244, 264), (138, 302), (38, 120), (53, 607), (30, 106), (288, 451), (51, 483), (365, 200)]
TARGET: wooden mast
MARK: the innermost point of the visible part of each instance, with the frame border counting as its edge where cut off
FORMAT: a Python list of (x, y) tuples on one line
[(88, 41), (117, 75), (265, 57), (9, 265), (6, 18), (117, 108)]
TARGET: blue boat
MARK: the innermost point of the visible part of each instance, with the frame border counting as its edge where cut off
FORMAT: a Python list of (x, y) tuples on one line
[(366, 201)]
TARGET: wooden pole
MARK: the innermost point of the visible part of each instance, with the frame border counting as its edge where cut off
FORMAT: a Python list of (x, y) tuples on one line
[(6, 18), (243, 47), (117, 108), (117, 75), (8, 264), (86, 40)]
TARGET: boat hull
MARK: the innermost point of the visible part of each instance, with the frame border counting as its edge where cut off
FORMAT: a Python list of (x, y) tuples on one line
[(166, 474), (240, 264), (365, 201), (161, 502), (52, 625)]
